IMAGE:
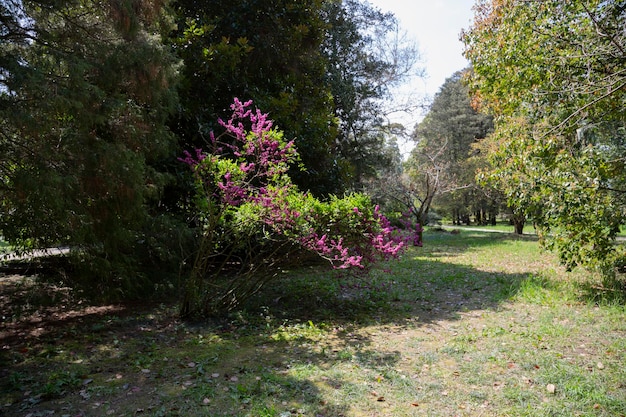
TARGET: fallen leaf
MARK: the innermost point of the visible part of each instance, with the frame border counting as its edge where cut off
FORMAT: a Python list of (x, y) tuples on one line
[(374, 393), (380, 399), (84, 394), (415, 404), (596, 406)]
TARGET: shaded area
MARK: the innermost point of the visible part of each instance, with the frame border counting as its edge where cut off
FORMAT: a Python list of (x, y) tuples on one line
[(276, 355)]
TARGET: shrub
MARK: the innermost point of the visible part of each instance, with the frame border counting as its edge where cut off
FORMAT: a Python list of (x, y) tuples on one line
[(252, 218)]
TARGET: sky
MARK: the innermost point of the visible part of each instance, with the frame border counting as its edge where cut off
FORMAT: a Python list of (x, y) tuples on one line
[(435, 26)]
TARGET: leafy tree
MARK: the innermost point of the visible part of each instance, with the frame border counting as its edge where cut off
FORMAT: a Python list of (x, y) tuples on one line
[(85, 90), (322, 68), (552, 73), (367, 56), (269, 52), (443, 163)]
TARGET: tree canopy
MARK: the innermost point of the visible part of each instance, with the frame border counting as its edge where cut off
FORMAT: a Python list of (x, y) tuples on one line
[(85, 90), (269, 52), (367, 55), (552, 73), (443, 163)]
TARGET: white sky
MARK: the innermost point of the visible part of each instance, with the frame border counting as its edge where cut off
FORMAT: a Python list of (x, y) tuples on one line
[(435, 25)]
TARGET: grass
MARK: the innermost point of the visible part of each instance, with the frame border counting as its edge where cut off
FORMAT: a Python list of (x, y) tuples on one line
[(501, 226), (506, 227), (472, 324)]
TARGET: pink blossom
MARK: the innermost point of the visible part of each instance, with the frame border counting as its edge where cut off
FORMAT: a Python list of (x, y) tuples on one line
[(259, 158)]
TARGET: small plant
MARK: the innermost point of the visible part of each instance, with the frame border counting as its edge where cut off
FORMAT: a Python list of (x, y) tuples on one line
[(58, 383), (16, 381)]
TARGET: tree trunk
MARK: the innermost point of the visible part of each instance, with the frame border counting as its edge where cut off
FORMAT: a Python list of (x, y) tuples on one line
[(518, 223)]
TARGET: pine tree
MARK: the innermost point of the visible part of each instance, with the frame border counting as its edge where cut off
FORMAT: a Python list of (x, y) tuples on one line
[(85, 91)]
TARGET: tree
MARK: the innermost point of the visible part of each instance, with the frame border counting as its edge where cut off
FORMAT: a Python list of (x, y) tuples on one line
[(444, 159), (321, 68), (85, 90), (268, 52), (367, 56), (552, 73)]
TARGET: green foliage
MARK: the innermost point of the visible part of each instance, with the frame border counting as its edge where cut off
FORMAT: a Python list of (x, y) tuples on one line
[(442, 166), (85, 91), (268, 52), (552, 74), (95, 96), (253, 219), (366, 57), (321, 68)]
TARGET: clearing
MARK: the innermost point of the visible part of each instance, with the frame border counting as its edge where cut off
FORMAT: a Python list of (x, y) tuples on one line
[(473, 324)]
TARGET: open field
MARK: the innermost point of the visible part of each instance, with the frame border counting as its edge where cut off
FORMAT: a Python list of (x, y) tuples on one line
[(473, 324), (503, 227)]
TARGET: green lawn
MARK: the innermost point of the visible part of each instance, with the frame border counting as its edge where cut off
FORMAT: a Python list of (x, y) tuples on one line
[(472, 324), (499, 227), (506, 227)]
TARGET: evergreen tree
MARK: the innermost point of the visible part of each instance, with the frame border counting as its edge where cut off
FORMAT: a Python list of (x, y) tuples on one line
[(85, 91), (321, 68), (445, 153)]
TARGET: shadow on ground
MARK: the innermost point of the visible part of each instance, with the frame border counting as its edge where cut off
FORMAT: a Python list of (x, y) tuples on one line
[(62, 357)]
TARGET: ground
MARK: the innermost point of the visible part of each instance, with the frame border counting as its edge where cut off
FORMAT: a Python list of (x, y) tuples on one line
[(470, 325)]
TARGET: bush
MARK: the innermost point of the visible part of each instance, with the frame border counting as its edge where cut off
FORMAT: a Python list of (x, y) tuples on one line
[(252, 218)]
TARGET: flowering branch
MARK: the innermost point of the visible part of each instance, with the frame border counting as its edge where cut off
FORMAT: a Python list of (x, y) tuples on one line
[(245, 183)]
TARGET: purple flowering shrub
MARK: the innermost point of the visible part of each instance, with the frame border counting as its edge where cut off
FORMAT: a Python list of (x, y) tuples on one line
[(253, 217)]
